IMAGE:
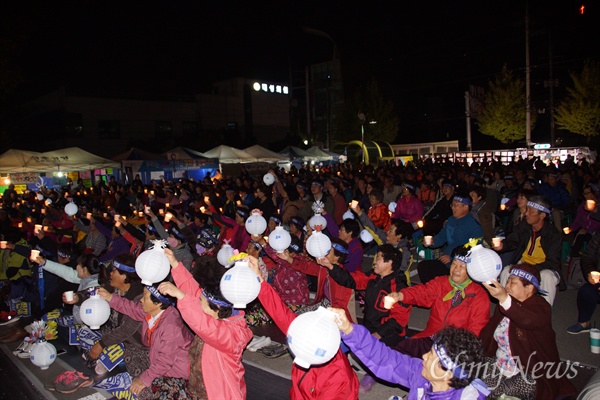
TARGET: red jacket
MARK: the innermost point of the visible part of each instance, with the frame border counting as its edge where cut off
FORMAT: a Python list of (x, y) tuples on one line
[(380, 216), (473, 313), (334, 380), (340, 295)]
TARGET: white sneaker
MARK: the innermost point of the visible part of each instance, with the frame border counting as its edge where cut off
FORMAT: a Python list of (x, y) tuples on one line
[(259, 343), (19, 348), (25, 352)]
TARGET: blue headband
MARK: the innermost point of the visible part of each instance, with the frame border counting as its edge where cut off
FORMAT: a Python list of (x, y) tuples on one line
[(242, 213), (316, 183), (63, 254), (457, 371), (294, 247), (122, 267), (538, 207), (217, 302), (519, 273), (154, 291), (276, 219), (460, 257), (151, 228), (411, 187), (463, 200), (178, 234), (339, 248)]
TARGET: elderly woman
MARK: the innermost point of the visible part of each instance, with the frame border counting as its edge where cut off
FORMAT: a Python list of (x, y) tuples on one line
[(444, 372), (222, 334), (520, 342), (452, 300), (121, 279), (166, 336), (408, 206)]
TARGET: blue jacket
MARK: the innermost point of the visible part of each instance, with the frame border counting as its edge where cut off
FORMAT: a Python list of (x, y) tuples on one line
[(395, 367), (457, 232), (558, 195)]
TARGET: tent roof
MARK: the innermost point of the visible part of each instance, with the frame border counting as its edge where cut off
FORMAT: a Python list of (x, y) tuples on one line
[(68, 159), (296, 153), (137, 154), (322, 154), (183, 153), (230, 155), (265, 155)]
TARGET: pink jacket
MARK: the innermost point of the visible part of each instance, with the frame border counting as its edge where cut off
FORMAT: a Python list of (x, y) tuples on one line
[(171, 341), (224, 341), (409, 210)]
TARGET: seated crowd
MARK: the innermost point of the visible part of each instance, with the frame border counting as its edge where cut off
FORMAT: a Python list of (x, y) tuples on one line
[(183, 339)]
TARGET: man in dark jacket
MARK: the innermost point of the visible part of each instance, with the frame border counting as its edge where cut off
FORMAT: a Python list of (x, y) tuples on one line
[(536, 243)]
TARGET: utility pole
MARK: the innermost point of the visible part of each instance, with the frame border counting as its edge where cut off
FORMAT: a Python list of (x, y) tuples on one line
[(468, 113), (552, 84), (527, 80)]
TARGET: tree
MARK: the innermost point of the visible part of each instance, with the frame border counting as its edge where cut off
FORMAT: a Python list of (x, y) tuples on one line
[(579, 112), (504, 109), (369, 101)]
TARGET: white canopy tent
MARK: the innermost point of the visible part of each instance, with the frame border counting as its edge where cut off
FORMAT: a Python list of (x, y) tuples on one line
[(263, 154), (63, 160), (229, 155)]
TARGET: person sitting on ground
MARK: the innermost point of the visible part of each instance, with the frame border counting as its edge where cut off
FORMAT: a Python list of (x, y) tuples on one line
[(222, 334), (588, 295), (334, 380), (166, 336), (483, 212), (120, 278), (453, 300), (408, 206), (519, 341), (458, 230), (536, 243), (378, 212), (439, 213), (441, 373), (349, 232), (584, 225)]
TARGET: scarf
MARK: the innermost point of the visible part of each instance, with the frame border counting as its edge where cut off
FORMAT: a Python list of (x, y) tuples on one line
[(457, 290)]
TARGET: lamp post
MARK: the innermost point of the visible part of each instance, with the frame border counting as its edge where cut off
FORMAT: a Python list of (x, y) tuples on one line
[(362, 118), (335, 56)]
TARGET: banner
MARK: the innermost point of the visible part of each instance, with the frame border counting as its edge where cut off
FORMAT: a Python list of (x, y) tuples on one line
[(24, 178)]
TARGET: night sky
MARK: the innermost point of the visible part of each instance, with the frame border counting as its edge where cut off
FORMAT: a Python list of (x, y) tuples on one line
[(424, 54)]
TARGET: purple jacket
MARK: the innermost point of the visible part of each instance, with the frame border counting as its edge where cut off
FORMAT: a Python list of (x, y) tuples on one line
[(395, 367), (355, 248), (116, 246), (170, 343), (583, 219)]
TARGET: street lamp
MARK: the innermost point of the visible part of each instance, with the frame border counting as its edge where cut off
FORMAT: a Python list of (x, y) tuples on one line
[(362, 118)]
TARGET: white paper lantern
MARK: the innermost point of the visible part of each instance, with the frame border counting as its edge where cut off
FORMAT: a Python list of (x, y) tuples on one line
[(223, 255), (348, 215), (256, 223), (392, 206), (316, 220), (40, 196), (483, 265), (314, 337), (268, 179), (318, 244), (153, 265), (94, 311), (43, 354), (279, 239), (366, 236), (71, 209), (240, 285)]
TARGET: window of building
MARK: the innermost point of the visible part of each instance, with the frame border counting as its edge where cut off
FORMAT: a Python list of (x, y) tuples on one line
[(190, 128), (164, 129), (109, 129), (73, 125)]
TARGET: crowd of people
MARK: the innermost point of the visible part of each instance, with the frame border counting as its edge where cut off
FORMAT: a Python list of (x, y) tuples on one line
[(183, 338)]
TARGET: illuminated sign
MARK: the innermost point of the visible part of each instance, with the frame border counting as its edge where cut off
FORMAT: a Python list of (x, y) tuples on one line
[(270, 88), (541, 146)]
